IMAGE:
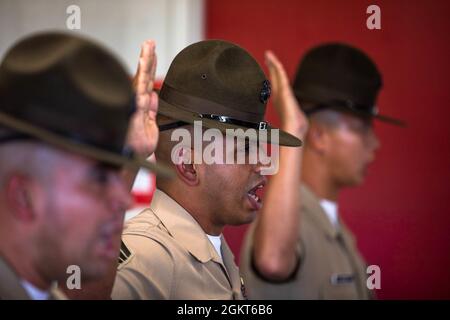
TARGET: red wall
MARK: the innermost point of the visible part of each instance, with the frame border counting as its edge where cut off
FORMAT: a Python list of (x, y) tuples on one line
[(401, 215)]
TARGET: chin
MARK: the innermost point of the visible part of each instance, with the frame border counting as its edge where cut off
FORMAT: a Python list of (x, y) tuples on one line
[(357, 181), (251, 215), (246, 217), (94, 272)]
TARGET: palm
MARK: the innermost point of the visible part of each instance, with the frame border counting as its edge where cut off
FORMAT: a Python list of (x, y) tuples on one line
[(292, 118), (143, 132)]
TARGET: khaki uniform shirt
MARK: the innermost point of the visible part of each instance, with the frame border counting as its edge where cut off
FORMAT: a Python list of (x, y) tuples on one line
[(166, 255), (11, 288), (330, 266)]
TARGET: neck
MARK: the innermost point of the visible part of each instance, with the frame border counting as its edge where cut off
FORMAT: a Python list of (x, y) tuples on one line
[(20, 260), (318, 178), (194, 204)]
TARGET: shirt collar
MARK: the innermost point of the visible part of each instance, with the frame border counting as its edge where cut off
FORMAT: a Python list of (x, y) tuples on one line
[(189, 234), (331, 210), (217, 243), (34, 292), (183, 227), (313, 209)]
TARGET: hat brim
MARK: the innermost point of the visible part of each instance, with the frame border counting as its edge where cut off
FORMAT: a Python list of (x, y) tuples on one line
[(175, 112), (390, 120), (380, 117), (89, 151), (340, 104)]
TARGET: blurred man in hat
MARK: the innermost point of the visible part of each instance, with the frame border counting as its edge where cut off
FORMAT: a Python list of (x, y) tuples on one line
[(175, 249), (142, 137), (65, 108), (314, 255)]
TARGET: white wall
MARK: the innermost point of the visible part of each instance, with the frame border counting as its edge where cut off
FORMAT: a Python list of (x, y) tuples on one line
[(121, 25)]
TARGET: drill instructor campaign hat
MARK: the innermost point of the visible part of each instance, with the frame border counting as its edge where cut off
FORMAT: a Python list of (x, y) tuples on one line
[(339, 76), (72, 93), (220, 84)]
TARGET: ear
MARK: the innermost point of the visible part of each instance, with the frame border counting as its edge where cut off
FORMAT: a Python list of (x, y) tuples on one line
[(18, 190), (318, 138), (186, 168)]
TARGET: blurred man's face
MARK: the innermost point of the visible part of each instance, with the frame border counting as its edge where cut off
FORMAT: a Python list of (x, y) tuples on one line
[(352, 148), (82, 211)]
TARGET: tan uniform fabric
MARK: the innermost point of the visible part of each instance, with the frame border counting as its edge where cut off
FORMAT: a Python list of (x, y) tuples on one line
[(11, 289), (330, 265), (168, 256)]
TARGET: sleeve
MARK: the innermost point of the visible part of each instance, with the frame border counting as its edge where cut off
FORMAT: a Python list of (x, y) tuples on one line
[(145, 272), (247, 258), (298, 250)]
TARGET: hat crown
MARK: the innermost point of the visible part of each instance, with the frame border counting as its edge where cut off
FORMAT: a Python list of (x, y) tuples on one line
[(222, 73), (68, 85), (338, 72)]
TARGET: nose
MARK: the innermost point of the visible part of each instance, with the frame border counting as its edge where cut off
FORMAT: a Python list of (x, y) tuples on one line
[(373, 140), (263, 161), (268, 159), (258, 167), (371, 144)]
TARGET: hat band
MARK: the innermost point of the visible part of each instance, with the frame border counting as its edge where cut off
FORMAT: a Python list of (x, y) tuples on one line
[(326, 94), (15, 137), (198, 105), (344, 104), (22, 130), (262, 125)]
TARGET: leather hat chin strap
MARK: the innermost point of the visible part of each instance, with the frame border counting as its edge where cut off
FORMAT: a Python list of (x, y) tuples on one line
[(262, 125)]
